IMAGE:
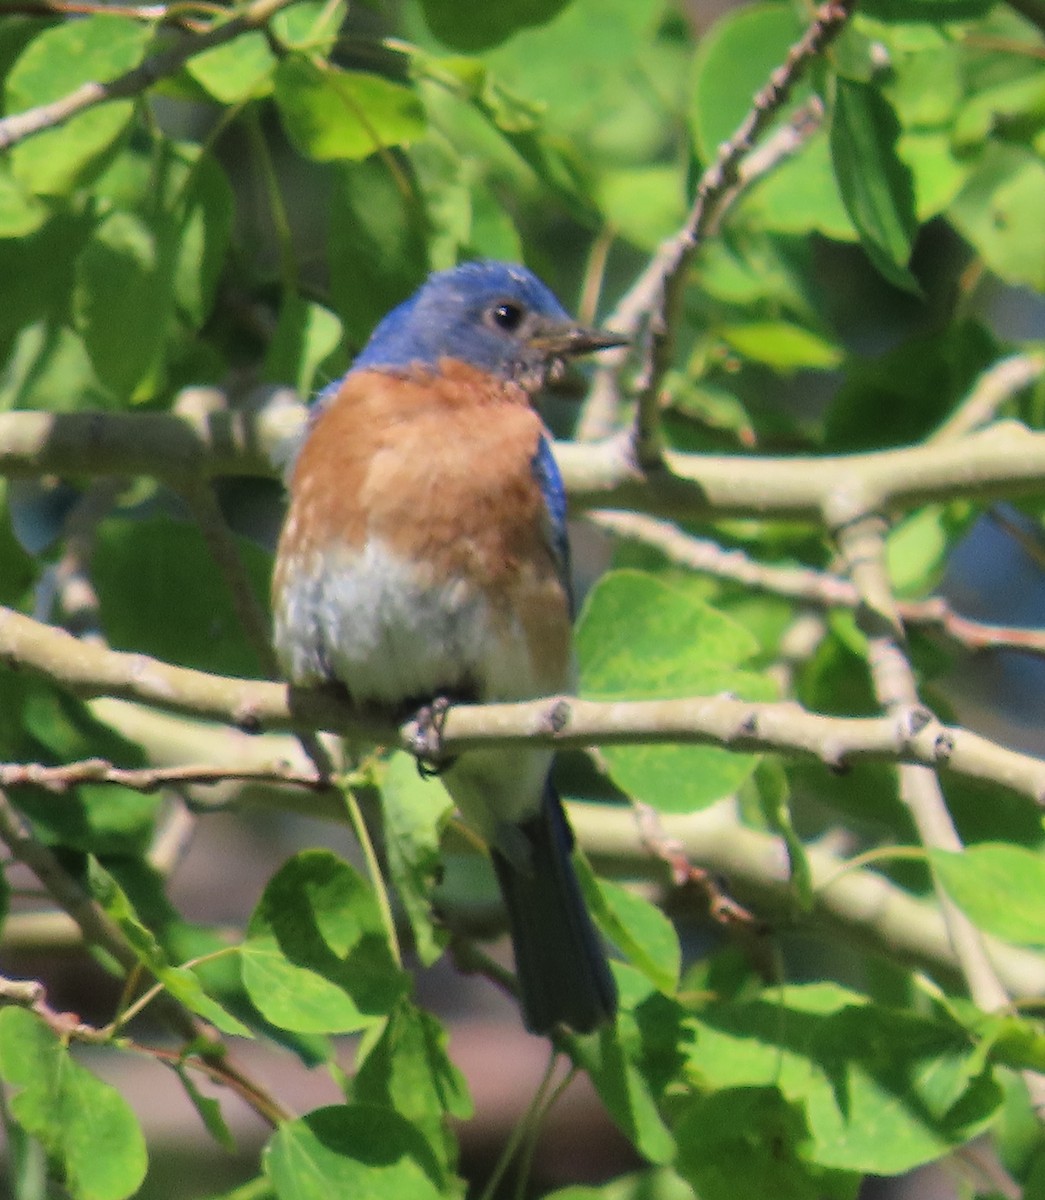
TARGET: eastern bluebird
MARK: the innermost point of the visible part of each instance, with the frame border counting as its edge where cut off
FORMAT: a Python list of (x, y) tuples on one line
[(424, 555)]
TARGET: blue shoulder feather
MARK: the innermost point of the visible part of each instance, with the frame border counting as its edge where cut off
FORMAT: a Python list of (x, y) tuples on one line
[(546, 472)]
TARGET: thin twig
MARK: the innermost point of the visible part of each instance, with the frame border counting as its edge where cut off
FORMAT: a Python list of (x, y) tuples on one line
[(19, 126)]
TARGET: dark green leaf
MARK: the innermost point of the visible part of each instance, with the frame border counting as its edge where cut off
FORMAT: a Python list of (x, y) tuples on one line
[(378, 254), (85, 1124), (875, 183), (477, 27)]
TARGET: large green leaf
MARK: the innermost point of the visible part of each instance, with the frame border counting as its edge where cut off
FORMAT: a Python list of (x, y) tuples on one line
[(355, 1150), (409, 1072), (1000, 887), (317, 959), (97, 48), (84, 1124), (998, 210), (123, 299), (882, 1090), (332, 114), (639, 638), (745, 1143), (477, 26)]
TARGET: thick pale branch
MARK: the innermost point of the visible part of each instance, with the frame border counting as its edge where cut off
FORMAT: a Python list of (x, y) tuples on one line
[(908, 735), (1005, 460)]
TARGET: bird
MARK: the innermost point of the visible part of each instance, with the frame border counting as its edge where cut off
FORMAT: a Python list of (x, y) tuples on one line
[(424, 556)]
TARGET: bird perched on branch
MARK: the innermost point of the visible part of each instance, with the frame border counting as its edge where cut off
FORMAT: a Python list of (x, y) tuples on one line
[(424, 555)]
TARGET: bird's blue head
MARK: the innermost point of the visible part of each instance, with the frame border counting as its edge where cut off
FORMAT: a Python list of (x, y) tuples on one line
[(495, 316)]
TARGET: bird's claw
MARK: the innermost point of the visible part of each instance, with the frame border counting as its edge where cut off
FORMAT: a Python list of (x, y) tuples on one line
[(427, 740)]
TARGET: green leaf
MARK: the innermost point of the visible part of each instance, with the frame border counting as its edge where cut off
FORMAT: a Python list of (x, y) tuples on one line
[(746, 1143), (97, 48), (357, 1150), (882, 1090), (209, 1110), (378, 253), (626, 1094), (235, 71), (782, 346), (83, 1123), (478, 26), (997, 213), (415, 812), (734, 60), (657, 1183), (316, 959), (123, 300), (873, 180), (306, 336), (638, 928), (774, 795), (409, 1072), (801, 196), (203, 217), (168, 558), (1000, 887), (21, 213), (182, 984), (641, 638), (332, 114)]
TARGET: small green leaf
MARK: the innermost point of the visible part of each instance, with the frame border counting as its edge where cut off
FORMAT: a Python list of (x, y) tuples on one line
[(182, 984), (638, 928), (415, 811), (875, 183), (96, 48), (1000, 887), (354, 1150), (641, 638), (82, 1122), (208, 1108), (782, 346), (409, 1072), (307, 334), (236, 71), (316, 959), (774, 799), (333, 114)]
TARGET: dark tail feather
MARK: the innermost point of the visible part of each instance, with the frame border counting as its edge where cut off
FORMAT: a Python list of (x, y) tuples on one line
[(562, 968)]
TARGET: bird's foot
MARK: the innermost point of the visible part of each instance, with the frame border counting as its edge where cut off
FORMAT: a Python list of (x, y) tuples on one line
[(427, 740)]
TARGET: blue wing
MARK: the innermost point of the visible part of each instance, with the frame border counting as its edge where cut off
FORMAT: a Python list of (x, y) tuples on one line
[(546, 472)]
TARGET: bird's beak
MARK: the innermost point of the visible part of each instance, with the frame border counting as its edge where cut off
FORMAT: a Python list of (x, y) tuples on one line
[(567, 341)]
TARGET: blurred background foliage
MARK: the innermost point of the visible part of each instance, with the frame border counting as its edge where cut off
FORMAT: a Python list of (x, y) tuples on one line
[(243, 215)]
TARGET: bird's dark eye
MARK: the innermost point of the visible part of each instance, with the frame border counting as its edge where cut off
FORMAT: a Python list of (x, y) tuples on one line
[(507, 316)]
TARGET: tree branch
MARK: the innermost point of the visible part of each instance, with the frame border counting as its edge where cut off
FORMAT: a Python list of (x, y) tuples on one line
[(19, 126), (911, 734)]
